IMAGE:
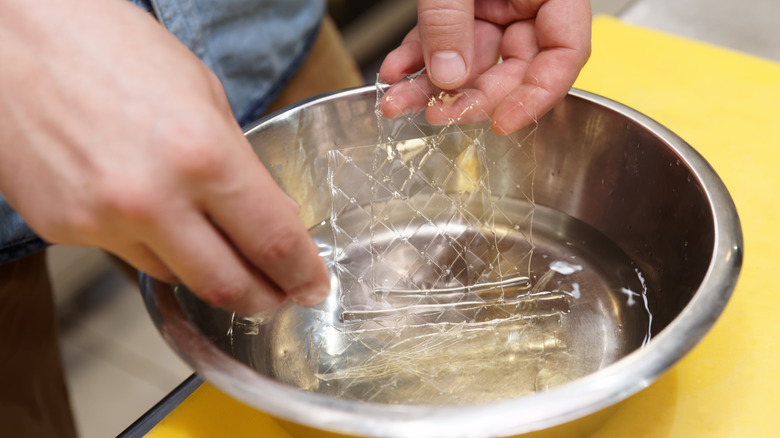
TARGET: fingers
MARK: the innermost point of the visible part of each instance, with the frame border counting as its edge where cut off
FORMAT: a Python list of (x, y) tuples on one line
[(404, 61), (446, 30), (478, 103), (262, 223), (407, 97), (563, 38), (145, 160), (142, 258), (239, 246), (543, 45), (202, 259), (404, 97), (228, 232), (412, 96)]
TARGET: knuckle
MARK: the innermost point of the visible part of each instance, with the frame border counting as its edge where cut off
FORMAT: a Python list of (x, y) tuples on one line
[(199, 162), (276, 247), (218, 92), (192, 150), (69, 227), (442, 21), (77, 222), (196, 157), (127, 198), (82, 224)]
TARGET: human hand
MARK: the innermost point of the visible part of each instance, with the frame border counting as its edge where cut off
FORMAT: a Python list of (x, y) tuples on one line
[(542, 45), (113, 134)]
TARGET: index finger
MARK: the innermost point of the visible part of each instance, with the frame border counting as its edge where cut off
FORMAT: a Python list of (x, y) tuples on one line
[(262, 224)]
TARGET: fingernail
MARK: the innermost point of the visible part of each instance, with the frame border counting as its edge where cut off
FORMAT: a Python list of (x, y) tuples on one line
[(447, 67), (312, 297)]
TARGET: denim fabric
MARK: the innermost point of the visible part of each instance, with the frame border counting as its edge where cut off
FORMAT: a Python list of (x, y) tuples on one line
[(146, 5), (16, 238), (253, 46)]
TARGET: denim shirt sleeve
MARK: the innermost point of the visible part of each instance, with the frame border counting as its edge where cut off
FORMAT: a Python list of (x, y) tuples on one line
[(16, 237), (253, 46)]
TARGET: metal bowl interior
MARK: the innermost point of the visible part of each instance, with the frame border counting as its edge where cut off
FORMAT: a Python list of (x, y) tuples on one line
[(608, 167)]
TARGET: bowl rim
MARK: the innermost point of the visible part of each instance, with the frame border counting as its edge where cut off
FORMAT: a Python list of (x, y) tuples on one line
[(568, 402)]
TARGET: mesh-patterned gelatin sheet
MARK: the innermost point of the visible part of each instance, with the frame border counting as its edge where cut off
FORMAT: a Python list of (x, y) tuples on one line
[(435, 300)]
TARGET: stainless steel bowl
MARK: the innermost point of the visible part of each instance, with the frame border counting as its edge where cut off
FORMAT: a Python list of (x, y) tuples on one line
[(618, 177)]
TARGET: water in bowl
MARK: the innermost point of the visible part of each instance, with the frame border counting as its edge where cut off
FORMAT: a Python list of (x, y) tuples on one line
[(582, 305)]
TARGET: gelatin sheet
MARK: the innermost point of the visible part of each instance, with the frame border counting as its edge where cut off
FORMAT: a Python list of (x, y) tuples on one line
[(432, 272)]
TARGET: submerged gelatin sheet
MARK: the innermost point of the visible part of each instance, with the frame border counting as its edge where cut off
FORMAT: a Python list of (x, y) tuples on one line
[(433, 275), (448, 284)]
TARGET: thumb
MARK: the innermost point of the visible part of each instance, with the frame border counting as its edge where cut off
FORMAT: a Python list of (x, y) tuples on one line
[(446, 29)]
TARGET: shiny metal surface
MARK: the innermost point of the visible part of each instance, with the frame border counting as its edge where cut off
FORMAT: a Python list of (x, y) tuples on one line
[(582, 309), (607, 166)]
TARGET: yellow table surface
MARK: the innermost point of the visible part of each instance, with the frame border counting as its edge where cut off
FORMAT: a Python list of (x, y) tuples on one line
[(727, 106)]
